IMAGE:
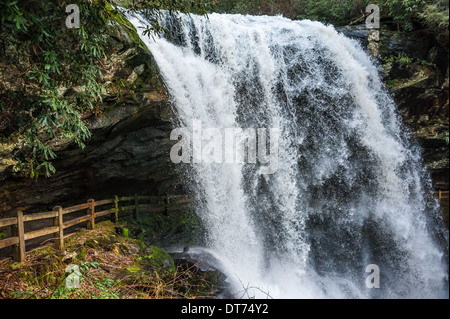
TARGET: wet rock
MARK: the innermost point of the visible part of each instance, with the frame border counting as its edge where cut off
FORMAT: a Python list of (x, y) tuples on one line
[(69, 256), (208, 265), (133, 249)]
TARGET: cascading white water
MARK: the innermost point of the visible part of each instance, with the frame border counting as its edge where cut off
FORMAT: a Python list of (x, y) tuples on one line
[(349, 190)]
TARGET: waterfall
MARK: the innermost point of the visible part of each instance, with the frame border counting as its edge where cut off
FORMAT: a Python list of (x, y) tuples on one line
[(348, 188)]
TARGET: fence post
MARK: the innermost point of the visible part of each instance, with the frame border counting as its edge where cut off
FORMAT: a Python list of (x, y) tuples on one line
[(116, 209), (19, 249), (58, 221), (91, 213), (136, 203), (440, 194)]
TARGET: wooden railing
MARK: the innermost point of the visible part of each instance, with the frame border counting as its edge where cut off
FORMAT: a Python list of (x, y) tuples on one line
[(118, 206), (135, 204), (441, 194)]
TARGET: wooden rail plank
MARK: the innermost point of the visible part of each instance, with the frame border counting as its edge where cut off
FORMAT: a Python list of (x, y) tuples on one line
[(76, 221), (104, 202), (37, 216), (177, 209), (153, 210), (441, 194), (8, 221), (75, 208), (103, 213), (41, 232), (147, 197), (9, 242), (126, 199), (130, 207), (185, 204), (179, 197), (179, 200), (146, 207)]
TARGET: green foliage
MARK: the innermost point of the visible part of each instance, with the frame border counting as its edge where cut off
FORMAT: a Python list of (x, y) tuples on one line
[(65, 69), (335, 12), (402, 59), (288, 8), (62, 57), (342, 12), (85, 266), (151, 9), (403, 12), (436, 18), (13, 17)]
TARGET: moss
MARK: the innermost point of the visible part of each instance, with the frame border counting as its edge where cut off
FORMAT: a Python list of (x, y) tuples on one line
[(125, 25), (125, 232), (159, 259), (134, 269), (141, 236), (16, 265), (185, 223), (82, 253)]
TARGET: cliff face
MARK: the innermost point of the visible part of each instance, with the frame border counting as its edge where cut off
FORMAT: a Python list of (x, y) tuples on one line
[(129, 149), (415, 69)]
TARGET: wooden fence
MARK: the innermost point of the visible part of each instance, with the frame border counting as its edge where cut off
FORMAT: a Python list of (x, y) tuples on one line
[(117, 206), (134, 205), (441, 194)]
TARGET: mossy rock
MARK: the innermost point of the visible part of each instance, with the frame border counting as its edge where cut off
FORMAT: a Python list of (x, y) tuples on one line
[(100, 241), (125, 30), (159, 259), (81, 253)]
